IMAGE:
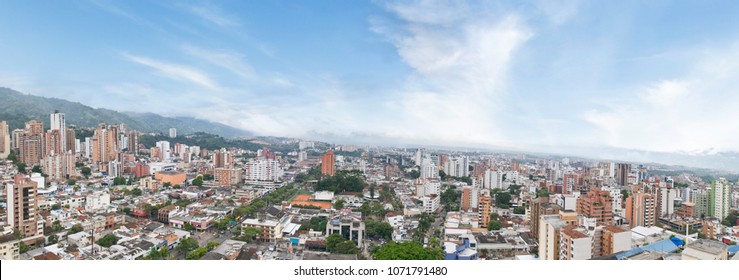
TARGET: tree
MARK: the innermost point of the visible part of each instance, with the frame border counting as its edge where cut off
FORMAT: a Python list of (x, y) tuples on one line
[(339, 204), (23, 247), (186, 245), (188, 227), (127, 211), (21, 167), (167, 184), (212, 245), (86, 171), (346, 247), (198, 181), (251, 233), (543, 192), (56, 207), (53, 239), (502, 199), (375, 229), (56, 226), (494, 225), (75, 229), (520, 210), (332, 241), (117, 181), (372, 191), (136, 192), (107, 240), (71, 182), (197, 254), (36, 169), (318, 223), (730, 220), (406, 251), (415, 174)]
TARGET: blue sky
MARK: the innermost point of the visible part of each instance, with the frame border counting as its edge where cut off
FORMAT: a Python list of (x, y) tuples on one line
[(550, 75)]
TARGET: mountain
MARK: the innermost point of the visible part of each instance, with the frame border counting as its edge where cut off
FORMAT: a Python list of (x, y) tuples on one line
[(16, 108)]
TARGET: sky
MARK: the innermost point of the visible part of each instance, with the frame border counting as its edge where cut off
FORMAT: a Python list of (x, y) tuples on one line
[(655, 76)]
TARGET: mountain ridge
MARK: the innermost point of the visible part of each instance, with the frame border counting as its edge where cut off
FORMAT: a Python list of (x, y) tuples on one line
[(17, 107)]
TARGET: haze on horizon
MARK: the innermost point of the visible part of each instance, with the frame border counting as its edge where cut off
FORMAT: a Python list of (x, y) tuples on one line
[(558, 76)]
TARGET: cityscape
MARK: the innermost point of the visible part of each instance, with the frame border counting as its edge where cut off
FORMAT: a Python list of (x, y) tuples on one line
[(113, 193), (346, 131)]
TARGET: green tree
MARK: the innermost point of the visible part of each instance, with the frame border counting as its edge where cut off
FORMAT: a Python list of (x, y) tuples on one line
[(23, 247), (372, 191), (56, 207), (197, 254), (502, 199), (186, 245), (346, 247), (375, 229), (415, 174), (212, 245), (75, 229), (406, 251), (730, 220), (107, 240), (520, 210), (117, 181), (36, 169), (136, 192), (318, 223), (332, 241), (188, 227), (21, 167), (339, 204), (127, 211), (56, 226), (86, 171), (494, 225), (71, 182), (543, 192), (197, 182), (53, 239), (251, 233)]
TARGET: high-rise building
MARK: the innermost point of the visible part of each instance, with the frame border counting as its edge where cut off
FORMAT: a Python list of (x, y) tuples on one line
[(222, 158), (22, 207), (483, 209), (457, 166), (623, 170), (166, 151), (70, 141), (173, 133), (59, 167), (227, 176), (104, 143), (721, 198), (549, 233), (493, 179), (702, 199), (429, 170), (596, 204), (133, 142), (641, 209), (466, 197), (16, 138), (569, 180), (59, 122), (540, 206), (263, 170), (4, 140), (575, 243), (34, 127), (327, 163), (31, 149), (53, 143)]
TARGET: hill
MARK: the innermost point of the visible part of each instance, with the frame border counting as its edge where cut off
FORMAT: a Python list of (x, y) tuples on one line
[(16, 108)]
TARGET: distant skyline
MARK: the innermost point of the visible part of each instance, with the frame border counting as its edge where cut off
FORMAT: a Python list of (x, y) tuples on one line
[(575, 77)]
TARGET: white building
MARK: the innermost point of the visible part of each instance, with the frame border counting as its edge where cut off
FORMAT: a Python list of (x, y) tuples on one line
[(172, 132), (164, 147), (429, 170), (721, 191), (58, 122), (97, 201), (430, 203), (457, 166), (263, 170), (493, 179)]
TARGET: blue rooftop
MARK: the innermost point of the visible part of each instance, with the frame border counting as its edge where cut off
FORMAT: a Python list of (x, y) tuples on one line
[(733, 249), (664, 246)]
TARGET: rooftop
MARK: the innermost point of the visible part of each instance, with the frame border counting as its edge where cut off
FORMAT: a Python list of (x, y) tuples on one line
[(708, 246)]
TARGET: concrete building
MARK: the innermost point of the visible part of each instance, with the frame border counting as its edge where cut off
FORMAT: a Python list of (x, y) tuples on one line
[(641, 209), (172, 177), (493, 179), (538, 207), (263, 170), (623, 170), (704, 249), (97, 201), (4, 140), (721, 198), (9, 247), (347, 224), (22, 209), (227, 176), (173, 133), (597, 204), (483, 209), (549, 233), (328, 163), (58, 122), (574, 243)]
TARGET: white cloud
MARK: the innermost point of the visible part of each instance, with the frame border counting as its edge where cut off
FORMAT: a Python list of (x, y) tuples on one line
[(558, 11), (694, 113), (228, 60), (214, 15), (461, 57), (175, 71)]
